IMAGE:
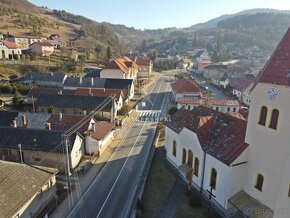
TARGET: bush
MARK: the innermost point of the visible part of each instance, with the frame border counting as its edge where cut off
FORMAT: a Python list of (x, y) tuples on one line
[(194, 200)]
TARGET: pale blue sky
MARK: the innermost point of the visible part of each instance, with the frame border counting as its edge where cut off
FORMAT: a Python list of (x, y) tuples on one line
[(152, 14)]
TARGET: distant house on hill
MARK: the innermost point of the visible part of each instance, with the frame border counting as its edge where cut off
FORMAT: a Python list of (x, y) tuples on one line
[(41, 48), (9, 50), (202, 57), (24, 41)]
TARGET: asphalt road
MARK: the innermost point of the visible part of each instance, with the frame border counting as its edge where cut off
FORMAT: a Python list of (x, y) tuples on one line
[(112, 191)]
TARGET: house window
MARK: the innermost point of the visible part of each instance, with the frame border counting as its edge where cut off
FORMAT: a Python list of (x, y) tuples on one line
[(274, 119), (229, 109), (196, 167), (259, 182), (174, 148), (188, 107), (190, 158), (213, 177), (263, 116), (217, 108), (234, 109)]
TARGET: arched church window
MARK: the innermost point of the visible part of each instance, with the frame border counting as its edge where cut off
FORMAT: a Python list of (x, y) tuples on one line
[(259, 182), (263, 116), (274, 119)]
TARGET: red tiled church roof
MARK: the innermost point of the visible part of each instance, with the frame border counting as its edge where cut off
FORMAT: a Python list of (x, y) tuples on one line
[(277, 69), (184, 86), (220, 135)]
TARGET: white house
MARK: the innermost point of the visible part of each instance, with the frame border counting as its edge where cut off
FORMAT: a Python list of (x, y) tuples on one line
[(145, 66), (99, 137), (9, 50), (222, 105), (202, 57), (185, 88), (41, 48), (120, 68), (242, 90), (25, 190)]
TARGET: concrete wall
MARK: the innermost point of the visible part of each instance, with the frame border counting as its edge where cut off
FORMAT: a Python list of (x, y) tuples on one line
[(112, 73), (98, 147)]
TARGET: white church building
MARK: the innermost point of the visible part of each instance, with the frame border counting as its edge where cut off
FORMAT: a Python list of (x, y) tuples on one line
[(245, 163)]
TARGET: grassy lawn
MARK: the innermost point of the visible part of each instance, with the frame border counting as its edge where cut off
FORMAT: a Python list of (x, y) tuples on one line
[(158, 186), (184, 210)]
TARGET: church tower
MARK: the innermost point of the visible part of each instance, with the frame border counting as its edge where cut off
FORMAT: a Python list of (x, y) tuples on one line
[(268, 134)]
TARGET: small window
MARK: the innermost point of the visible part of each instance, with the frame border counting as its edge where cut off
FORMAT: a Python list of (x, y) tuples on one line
[(229, 109), (234, 109), (263, 116), (196, 167), (188, 107), (259, 182), (213, 178), (174, 148), (183, 156), (217, 108), (274, 119)]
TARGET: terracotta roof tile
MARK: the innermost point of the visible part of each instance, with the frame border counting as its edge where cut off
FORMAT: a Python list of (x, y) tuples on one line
[(66, 122), (102, 130), (99, 92), (185, 86), (220, 135), (143, 61), (277, 69), (43, 44), (10, 45)]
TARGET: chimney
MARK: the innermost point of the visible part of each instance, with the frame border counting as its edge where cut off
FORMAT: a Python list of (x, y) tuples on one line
[(95, 127), (60, 92), (24, 122), (92, 81), (81, 80), (14, 124), (104, 90), (59, 116), (51, 74), (90, 92), (48, 126)]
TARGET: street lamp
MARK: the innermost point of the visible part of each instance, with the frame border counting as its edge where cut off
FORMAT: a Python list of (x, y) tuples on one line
[(20, 152)]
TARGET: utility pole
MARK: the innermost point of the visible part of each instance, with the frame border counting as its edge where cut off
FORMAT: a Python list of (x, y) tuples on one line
[(65, 140)]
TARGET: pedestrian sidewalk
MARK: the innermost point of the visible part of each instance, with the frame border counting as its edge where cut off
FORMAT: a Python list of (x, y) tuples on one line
[(84, 181)]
